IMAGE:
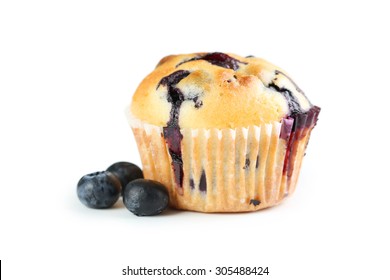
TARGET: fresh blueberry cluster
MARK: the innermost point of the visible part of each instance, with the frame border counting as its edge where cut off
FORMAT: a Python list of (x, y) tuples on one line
[(142, 197)]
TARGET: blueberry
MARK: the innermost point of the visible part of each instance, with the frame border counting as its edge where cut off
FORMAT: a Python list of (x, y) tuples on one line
[(99, 190), (219, 59), (125, 172), (145, 197)]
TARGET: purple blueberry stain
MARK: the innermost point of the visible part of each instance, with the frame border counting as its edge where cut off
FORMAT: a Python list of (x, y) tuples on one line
[(173, 138), (203, 182), (171, 132), (254, 202), (219, 59), (192, 184), (302, 121), (247, 163), (287, 125), (292, 101)]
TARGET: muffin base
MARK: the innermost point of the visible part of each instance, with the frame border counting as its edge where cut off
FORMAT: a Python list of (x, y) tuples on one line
[(228, 170)]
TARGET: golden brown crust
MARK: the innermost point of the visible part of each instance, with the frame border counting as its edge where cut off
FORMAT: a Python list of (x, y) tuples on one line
[(226, 98)]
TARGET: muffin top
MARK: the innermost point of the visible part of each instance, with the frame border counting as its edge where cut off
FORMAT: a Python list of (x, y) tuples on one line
[(216, 90)]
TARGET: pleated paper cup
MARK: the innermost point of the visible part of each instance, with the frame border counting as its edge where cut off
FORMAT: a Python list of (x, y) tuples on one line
[(228, 170)]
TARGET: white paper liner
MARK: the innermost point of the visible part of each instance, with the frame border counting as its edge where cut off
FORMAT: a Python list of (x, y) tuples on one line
[(243, 167)]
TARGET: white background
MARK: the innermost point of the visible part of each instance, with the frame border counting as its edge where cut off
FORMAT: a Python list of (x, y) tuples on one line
[(69, 68)]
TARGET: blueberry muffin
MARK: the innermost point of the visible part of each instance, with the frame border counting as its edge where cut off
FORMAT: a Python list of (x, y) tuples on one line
[(224, 133)]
